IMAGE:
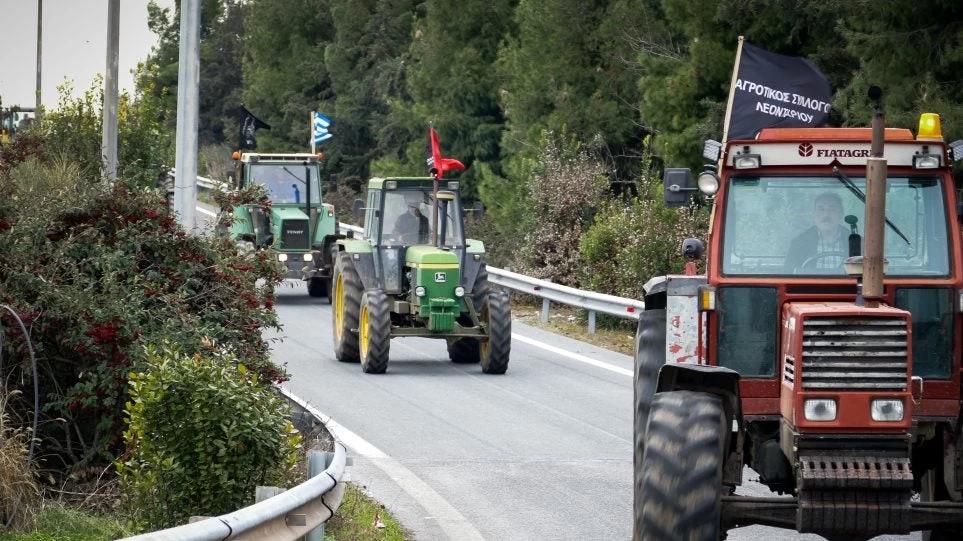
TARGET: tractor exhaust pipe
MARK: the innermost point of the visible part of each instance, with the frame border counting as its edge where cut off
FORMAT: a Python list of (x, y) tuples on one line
[(873, 265)]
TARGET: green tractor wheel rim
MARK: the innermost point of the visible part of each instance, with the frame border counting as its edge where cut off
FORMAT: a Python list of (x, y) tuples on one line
[(363, 332), (339, 308)]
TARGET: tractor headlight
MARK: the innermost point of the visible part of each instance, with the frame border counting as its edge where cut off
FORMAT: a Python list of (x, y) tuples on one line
[(282, 257), (887, 409), (708, 182), (307, 257), (820, 409), (459, 291), (420, 291)]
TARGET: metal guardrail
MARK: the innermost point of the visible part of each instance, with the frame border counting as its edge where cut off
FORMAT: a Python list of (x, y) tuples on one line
[(551, 292), (286, 516)]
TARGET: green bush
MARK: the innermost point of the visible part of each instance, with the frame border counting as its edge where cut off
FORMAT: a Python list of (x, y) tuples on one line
[(96, 273), (629, 243), (203, 432)]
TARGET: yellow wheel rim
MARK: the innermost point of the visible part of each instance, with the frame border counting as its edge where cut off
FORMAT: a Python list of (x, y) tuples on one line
[(483, 346), (339, 309), (363, 332)]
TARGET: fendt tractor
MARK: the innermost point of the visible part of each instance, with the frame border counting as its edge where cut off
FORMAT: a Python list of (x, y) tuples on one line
[(821, 348), (297, 226)]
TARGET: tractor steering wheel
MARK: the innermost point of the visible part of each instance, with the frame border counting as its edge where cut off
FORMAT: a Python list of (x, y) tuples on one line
[(811, 262)]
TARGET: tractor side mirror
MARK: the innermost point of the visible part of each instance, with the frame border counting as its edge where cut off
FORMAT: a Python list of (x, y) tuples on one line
[(677, 186), (333, 180), (358, 209)]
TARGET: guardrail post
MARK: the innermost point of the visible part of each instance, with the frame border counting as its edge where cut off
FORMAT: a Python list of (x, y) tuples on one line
[(591, 321), (545, 306), (318, 461)]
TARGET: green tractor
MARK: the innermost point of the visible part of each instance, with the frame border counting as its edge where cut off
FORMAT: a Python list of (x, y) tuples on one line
[(412, 272), (297, 226)]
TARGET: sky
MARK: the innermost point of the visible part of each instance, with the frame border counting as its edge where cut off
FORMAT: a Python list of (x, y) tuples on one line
[(74, 46)]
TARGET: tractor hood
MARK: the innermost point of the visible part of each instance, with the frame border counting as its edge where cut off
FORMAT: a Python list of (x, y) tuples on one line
[(429, 255), (291, 230)]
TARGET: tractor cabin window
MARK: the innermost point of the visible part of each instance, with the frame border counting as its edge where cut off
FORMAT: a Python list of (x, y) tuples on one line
[(808, 226)]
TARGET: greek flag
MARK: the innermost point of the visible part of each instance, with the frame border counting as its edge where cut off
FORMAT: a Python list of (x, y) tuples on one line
[(319, 130)]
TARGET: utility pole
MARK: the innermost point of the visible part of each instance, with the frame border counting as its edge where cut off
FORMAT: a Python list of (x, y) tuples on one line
[(39, 53), (188, 79), (109, 146)]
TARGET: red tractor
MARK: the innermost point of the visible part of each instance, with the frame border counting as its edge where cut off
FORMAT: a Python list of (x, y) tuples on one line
[(821, 348)]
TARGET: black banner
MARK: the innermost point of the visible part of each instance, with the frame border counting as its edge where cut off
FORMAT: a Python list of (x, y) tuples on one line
[(249, 124), (776, 91)]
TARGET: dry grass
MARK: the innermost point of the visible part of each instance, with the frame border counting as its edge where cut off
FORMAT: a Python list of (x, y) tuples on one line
[(617, 336), (19, 494)]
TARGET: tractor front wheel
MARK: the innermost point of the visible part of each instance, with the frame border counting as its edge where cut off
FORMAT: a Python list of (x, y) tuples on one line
[(496, 315), (374, 331), (346, 309), (682, 467)]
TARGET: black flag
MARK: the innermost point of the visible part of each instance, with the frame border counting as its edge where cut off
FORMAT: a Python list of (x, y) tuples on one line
[(776, 91), (249, 125)]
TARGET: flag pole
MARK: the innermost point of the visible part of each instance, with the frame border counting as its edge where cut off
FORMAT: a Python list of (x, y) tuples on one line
[(311, 123), (732, 90)]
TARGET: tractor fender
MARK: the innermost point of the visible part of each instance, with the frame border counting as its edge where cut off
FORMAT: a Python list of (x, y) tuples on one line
[(719, 381), (363, 259)]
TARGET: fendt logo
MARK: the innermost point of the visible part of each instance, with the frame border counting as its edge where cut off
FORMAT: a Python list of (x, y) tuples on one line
[(805, 150), (295, 231)]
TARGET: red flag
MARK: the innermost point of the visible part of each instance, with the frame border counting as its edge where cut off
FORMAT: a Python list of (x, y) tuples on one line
[(437, 165)]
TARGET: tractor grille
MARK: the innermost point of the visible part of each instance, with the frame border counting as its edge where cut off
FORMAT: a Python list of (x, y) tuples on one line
[(848, 353), (294, 235)]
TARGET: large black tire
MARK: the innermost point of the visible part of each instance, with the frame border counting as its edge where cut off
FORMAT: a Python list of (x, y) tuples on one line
[(682, 467), (346, 309), (496, 314), (466, 350), (374, 331), (317, 287), (649, 359)]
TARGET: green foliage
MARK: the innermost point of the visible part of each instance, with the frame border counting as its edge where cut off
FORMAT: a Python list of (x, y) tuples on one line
[(57, 523), (145, 146), (565, 189), (95, 274), (630, 243), (203, 432)]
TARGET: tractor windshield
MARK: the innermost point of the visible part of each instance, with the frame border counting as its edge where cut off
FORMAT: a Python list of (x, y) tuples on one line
[(810, 225), (286, 183), (408, 219)]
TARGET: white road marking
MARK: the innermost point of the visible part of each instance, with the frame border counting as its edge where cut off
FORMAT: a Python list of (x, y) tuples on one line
[(573, 356), (453, 523)]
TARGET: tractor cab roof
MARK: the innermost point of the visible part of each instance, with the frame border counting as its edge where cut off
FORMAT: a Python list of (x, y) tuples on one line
[(411, 183), (255, 157)]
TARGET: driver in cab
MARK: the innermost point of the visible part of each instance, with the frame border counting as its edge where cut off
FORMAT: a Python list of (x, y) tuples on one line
[(412, 226), (822, 248)]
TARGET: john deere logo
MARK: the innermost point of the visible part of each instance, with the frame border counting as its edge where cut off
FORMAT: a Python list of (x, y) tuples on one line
[(440, 277), (805, 150)]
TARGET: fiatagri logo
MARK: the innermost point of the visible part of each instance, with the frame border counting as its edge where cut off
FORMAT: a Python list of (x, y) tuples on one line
[(806, 150)]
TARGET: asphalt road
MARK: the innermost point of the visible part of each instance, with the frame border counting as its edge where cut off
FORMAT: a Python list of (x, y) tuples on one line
[(542, 452)]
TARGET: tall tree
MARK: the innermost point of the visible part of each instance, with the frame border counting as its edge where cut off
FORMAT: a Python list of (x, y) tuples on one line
[(285, 77), (366, 59)]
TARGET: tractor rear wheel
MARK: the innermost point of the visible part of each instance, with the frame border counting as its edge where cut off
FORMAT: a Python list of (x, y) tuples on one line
[(932, 489), (374, 331), (346, 309), (496, 315), (466, 350), (317, 287), (682, 467)]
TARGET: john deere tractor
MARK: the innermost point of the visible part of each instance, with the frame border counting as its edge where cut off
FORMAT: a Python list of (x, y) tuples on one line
[(297, 226), (412, 272)]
